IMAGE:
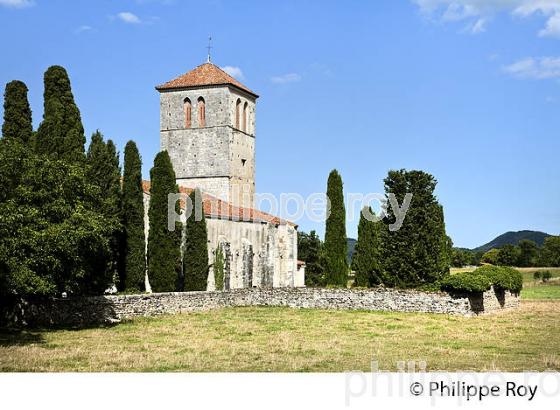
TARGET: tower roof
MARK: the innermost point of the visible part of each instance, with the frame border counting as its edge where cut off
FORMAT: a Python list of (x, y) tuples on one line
[(205, 74)]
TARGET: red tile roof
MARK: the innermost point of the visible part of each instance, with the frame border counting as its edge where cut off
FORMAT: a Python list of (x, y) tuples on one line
[(217, 209), (205, 74)]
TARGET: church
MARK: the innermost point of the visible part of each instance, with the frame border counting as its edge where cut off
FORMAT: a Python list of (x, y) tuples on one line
[(208, 127)]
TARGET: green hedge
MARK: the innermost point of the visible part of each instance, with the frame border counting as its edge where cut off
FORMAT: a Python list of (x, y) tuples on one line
[(503, 277), (481, 279), (466, 282)]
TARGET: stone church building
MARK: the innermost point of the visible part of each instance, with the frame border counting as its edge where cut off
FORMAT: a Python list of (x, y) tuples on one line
[(207, 125)]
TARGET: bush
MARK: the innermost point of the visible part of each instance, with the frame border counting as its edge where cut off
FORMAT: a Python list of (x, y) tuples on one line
[(537, 275), (219, 264), (546, 275), (466, 282), (501, 277)]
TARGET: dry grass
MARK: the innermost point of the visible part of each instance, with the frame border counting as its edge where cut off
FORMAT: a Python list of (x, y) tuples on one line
[(284, 339)]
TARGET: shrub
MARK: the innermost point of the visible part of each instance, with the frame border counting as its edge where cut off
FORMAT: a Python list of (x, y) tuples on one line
[(546, 275), (501, 277), (219, 268), (537, 275), (466, 282)]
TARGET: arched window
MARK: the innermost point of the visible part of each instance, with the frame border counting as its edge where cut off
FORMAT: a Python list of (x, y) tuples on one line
[(188, 112), (237, 113), (245, 109), (201, 112)]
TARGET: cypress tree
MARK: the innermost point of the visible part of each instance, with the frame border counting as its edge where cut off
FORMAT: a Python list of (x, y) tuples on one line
[(104, 172), (132, 272), (61, 133), (164, 252), (366, 257), (17, 114), (195, 256), (16, 135), (418, 252), (335, 246)]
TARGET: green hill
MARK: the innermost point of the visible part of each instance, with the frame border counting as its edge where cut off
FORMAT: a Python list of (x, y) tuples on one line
[(513, 238)]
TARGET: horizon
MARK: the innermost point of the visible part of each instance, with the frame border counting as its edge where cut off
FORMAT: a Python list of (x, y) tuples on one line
[(476, 110)]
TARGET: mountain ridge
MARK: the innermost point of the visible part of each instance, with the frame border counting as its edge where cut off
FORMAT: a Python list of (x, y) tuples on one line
[(513, 238)]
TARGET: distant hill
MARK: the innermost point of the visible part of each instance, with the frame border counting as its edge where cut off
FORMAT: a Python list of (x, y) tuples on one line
[(513, 238), (351, 245)]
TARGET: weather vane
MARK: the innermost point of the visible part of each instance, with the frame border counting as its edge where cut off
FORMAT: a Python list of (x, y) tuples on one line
[(209, 47)]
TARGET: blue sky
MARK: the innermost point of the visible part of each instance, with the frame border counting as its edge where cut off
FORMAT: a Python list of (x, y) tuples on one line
[(467, 90)]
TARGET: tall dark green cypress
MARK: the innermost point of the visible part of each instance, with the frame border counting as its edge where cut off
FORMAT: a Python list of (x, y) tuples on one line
[(164, 246), (17, 132), (132, 271), (195, 255), (418, 252), (366, 257), (335, 247), (17, 124), (61, 133), (103, 171)]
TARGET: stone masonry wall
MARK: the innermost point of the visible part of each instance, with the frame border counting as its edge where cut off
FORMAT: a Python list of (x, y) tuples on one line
[(113, 309), (216, 157)]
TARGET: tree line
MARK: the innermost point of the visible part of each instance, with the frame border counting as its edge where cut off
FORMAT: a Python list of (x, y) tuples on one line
[(417, 254), (71, 222), (526, 253)]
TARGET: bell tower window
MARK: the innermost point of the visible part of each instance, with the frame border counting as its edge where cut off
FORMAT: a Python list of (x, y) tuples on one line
[(245, 117), (187, 106), (201, 112), (237, 113)]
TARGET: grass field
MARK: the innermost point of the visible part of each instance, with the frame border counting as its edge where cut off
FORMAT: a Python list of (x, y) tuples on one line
[(541, 291), (288, 340)]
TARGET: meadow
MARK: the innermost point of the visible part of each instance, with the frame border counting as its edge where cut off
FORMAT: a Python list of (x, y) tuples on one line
[(276, 339)]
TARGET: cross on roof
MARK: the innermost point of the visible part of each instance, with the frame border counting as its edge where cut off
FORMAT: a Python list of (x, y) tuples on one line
[(209, 47)]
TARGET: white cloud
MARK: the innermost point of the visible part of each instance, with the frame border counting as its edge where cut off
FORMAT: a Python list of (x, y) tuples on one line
[(479, 11), (479, 26), (552, 28), (286, 78), (234, 72), (83, 28), (542, 68), (129, 17), (17, 4)]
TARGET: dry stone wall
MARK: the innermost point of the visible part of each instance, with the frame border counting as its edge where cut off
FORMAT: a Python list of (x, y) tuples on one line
[(113, 309)]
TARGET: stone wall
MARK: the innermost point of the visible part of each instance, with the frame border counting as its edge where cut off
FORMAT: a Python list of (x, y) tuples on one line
[(113, 309)]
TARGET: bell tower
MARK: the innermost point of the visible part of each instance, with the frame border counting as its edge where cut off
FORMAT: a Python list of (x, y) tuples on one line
[(207, 125)]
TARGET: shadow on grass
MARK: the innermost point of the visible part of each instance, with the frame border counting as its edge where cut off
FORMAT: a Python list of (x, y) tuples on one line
[(16, 337), (33, 335)]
